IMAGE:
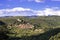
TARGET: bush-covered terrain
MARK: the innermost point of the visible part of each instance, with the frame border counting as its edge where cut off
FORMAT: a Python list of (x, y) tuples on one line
[(44, 28)]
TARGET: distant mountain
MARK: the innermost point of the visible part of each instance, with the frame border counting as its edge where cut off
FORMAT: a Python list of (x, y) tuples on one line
[(5, 16), (32, 16)]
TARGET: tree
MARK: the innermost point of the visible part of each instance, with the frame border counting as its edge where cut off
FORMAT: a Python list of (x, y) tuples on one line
[(3, 30)]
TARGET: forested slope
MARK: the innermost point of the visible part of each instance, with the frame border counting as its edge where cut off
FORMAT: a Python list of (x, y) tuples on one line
[(45, 28)]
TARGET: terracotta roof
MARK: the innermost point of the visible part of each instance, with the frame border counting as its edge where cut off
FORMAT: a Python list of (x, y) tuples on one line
[(23, 26)]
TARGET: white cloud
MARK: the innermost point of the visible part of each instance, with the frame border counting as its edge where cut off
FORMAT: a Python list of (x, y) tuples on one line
[(20, 9), (27, 11), (37, 1), (16, 9), (49, 11), (1, 12)]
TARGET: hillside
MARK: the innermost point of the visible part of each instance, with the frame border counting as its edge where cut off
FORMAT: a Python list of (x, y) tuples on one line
[(21, 28)]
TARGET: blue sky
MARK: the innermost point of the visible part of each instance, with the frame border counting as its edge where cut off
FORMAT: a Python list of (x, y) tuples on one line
[(40, 5), (28, 4)]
